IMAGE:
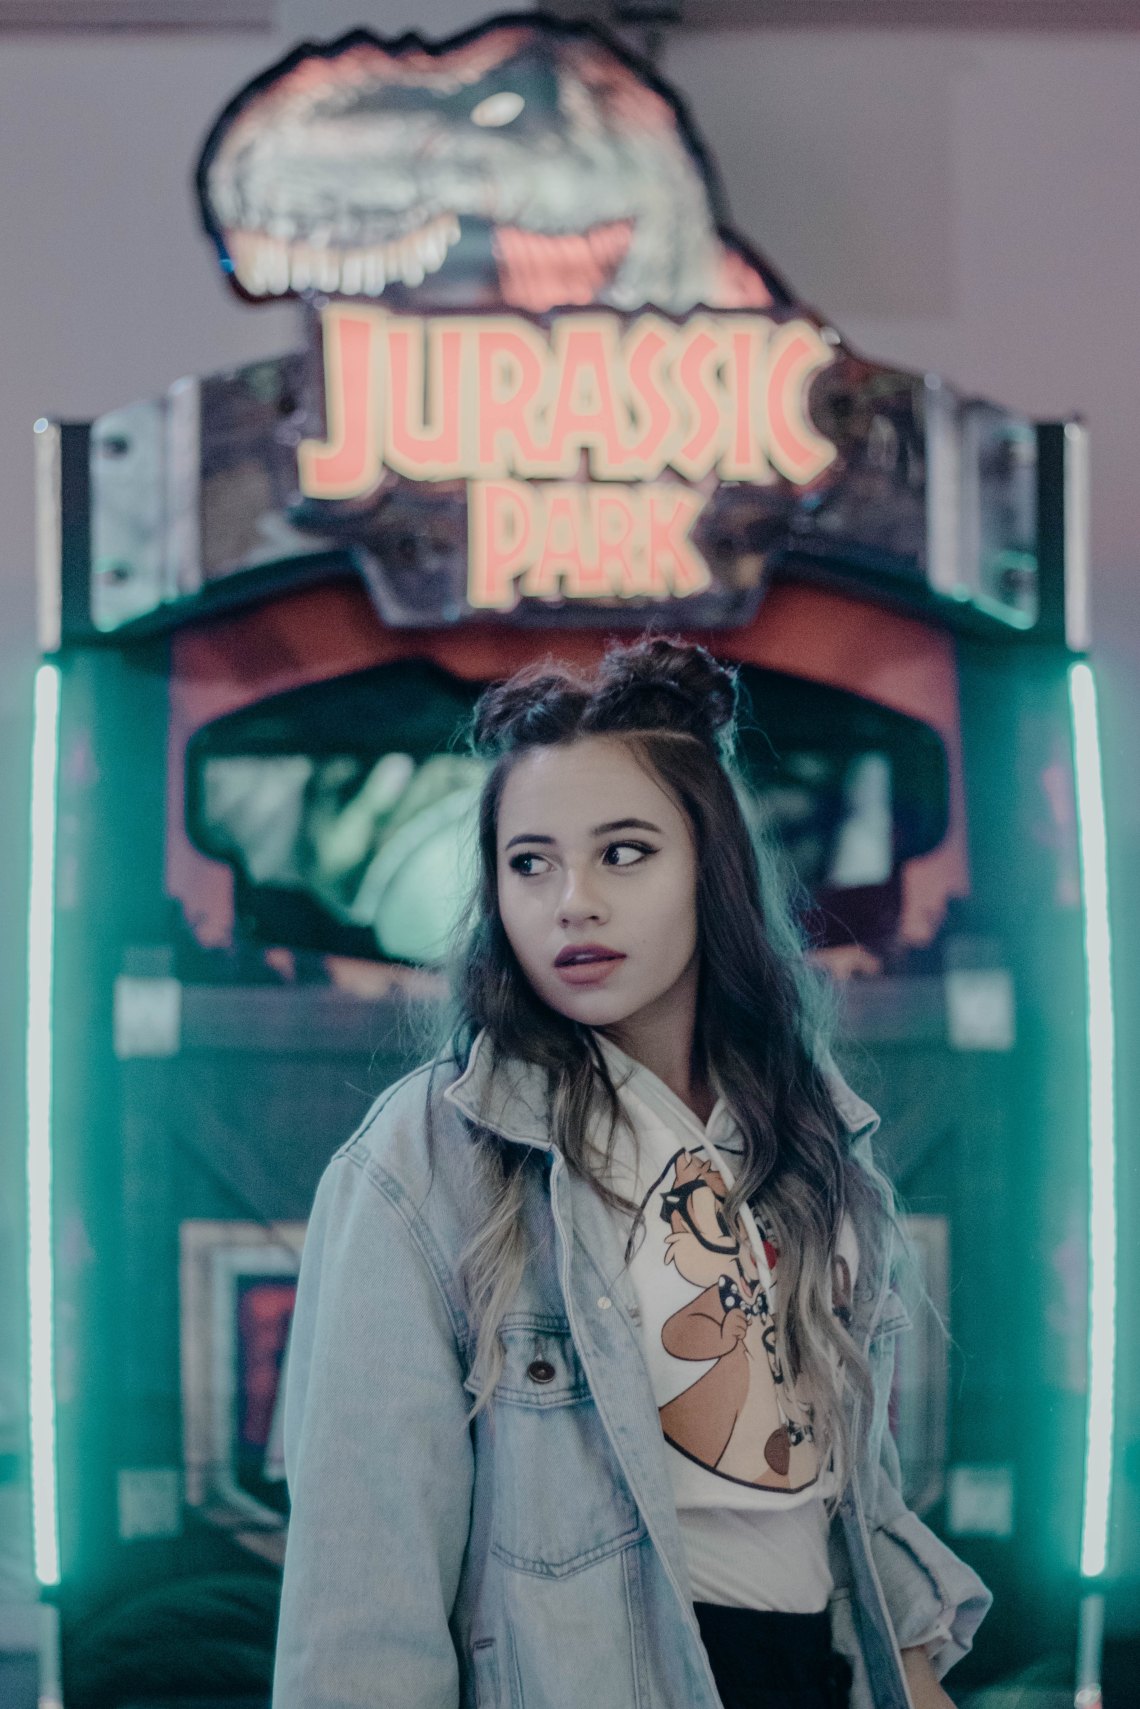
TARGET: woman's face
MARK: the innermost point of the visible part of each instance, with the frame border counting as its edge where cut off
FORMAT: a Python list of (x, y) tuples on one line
[(593, 851)]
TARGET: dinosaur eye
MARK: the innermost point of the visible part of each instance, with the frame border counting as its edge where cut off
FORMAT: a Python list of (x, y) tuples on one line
[(498, 109)]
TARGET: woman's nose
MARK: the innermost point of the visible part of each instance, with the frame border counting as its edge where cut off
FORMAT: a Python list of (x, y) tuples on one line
[(579, 901)]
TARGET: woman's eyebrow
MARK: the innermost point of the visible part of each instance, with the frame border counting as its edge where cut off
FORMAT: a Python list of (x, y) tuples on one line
[(625, 825), (528, 837), (596, 831)]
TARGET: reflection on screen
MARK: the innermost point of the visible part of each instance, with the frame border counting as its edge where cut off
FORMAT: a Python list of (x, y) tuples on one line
[(387, 844), (833, 815)]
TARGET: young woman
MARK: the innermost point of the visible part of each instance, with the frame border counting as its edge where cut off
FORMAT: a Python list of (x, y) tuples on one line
[(589, 1370)]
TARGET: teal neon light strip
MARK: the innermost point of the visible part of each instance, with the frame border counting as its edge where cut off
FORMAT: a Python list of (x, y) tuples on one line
[(1102, 1124), (41, 949)]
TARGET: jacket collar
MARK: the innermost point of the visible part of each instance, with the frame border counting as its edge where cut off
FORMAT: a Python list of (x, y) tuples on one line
[(857, 1116), (510, 1096)]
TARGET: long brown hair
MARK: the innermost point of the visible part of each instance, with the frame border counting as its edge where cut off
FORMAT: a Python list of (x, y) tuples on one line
[(764, 1018)]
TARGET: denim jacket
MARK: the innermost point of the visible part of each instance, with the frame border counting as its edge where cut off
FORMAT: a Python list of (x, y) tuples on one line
[(531, 1559)]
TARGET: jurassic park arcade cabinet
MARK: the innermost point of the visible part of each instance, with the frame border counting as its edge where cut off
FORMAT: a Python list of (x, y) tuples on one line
[(544, 394)]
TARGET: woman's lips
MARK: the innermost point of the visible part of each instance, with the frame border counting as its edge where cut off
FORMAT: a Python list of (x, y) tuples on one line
[(588, 972)]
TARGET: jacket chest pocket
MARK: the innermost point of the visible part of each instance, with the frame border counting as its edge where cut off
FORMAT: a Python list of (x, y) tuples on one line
[(882, 1349), (892, 1320), (893, 1317), (560, 1501)]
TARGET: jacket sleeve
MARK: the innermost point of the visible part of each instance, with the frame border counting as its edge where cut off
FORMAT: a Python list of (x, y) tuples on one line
[(378, 1460), (933, 1597)]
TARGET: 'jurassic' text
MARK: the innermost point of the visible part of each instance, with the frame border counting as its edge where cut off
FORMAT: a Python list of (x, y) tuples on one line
[(599, 405)]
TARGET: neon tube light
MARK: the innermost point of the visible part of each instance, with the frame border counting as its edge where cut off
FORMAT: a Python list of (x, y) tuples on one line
[(41, 946), (1102, 1124)]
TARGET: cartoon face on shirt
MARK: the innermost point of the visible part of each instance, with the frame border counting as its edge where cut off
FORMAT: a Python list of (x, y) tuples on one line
[(701, 1246), (738, 1419)]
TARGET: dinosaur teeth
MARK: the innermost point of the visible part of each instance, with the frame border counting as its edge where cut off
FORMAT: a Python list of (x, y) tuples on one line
[(352, 273), (271, 266), (542, 271)]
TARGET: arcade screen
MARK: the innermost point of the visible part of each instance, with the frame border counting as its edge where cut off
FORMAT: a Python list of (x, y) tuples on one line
[(346, 808)]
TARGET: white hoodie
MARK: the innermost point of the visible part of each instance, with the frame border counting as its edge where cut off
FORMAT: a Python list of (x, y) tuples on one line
[(742, 1457)]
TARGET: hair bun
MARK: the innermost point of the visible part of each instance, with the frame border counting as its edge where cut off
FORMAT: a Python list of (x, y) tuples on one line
[(539, 703), (662, 683)]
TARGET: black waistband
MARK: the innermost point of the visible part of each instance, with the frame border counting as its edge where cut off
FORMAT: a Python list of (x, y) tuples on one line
[(809, 1634), (766, 1660)]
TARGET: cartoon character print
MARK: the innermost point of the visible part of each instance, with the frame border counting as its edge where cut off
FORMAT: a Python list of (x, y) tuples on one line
[(740, 1419)]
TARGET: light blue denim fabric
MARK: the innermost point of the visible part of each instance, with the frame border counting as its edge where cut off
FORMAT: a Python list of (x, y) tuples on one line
[(533, 1559)]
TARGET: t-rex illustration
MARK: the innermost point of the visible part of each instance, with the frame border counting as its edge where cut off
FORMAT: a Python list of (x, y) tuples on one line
[(528, 163)]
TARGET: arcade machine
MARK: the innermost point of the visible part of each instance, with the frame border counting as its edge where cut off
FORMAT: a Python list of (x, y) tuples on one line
[(544, 395)]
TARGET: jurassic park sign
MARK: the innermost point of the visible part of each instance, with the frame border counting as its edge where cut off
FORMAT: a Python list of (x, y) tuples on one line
[(543, 370), (589, 447)]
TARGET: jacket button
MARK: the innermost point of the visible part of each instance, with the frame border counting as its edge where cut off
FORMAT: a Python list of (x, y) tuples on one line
[(540, 1371)]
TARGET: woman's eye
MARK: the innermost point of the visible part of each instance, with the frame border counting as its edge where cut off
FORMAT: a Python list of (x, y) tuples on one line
[(635, 851), (521, 863)]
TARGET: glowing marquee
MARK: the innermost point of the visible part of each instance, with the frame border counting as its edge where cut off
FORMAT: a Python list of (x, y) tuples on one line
[(589, 446)]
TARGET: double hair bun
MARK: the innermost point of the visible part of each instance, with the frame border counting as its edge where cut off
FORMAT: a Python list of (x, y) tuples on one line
[(651, 684), (657, 683)]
